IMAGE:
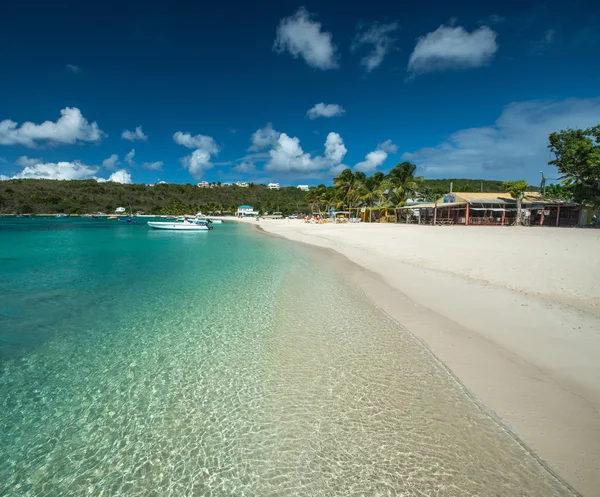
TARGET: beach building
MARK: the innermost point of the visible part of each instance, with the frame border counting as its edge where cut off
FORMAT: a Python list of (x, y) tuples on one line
[(497, 209), (120, 210), (273, 186), (304, 188), (246, 210), (242, 184)]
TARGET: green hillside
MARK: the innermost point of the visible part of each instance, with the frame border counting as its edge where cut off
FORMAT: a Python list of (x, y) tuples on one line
[(41, 196)]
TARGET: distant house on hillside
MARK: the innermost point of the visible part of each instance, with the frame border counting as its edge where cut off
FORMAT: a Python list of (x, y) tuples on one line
[(273, 186), (246, 210), (304, 188), (204, 184), (242, 184), (120, 210)]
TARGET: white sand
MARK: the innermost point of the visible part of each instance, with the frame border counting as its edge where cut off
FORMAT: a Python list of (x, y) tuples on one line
[(513, 312)]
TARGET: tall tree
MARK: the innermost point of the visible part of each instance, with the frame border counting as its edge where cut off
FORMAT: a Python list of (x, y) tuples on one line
[(403, 184), (577, 157), (516, 189)]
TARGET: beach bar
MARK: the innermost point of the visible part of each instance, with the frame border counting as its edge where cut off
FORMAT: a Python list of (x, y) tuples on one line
[(496, 209)]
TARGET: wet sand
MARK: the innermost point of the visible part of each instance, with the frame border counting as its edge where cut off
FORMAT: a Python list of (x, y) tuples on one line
[(513, 313)]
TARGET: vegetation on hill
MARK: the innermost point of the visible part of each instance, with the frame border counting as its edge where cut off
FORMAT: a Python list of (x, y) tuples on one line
[(41, 196), (79, 197)]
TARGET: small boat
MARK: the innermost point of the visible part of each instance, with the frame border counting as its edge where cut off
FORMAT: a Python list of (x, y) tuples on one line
[(180, 226), (130, 220), (210, 220)]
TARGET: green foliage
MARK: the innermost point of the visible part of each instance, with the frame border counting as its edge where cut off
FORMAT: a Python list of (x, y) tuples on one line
[(577, 158), (41, 196), (562, 190), (515, 188)]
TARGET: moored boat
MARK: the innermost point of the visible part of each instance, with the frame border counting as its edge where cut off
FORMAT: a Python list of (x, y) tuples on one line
[(178, 226)]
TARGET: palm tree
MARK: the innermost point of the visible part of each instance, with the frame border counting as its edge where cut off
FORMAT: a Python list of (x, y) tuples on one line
[(373, 189), (347, 186), (404, 183)]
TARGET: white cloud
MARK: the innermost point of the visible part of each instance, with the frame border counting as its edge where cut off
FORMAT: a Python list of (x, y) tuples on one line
[(376, 158), (379, 36), (335, 150), (245, 167), (59, 170), (372, 161), (121, 176), (200, 159), (325, 110), (25, 161), (517, 140), (73, 68), (69, 129), (153, 166), (111, 162), (197, 162), (287, 155), (264, 138), (3, 177), (129, 157), (452, 47), (206, 143), (388, 146), (302, 37), (138, 134)]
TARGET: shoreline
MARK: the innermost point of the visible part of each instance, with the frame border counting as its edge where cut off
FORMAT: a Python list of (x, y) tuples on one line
[(540, 384)]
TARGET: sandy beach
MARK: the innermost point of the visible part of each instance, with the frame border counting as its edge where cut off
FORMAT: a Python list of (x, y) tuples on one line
[(513, 313)]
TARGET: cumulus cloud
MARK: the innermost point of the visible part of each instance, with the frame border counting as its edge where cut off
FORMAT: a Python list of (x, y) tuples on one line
[(379, 38), (453, 47), (75, 170), (302, 37), (73, 68), (129, 157), (245, 167), (197, 162), (372, 161), (138, 134), (200, 159), (377, 157), (335, 150), (206, 143), (517, 140), (388, 146), (325, 110), (57, 170), (111, 162), (263, 138), (153, 166), (25, 161), (69, 129), (287, 155), (121, 176)]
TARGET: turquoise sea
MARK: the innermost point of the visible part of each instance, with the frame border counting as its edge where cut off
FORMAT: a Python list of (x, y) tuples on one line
[(228, 363)]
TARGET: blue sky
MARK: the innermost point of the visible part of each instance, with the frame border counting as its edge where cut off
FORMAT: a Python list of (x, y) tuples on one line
[(292, 92)]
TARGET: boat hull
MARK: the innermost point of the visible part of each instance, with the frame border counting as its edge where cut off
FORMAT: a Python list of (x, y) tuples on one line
[(177, 226)]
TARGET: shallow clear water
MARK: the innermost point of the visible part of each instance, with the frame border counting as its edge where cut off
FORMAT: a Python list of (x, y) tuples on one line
[(135, 362)]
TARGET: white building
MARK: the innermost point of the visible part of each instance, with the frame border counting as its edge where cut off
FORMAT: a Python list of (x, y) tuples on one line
[(246, 210), (242, 184), (120, 210), (304, 188), (204, 184), (273, 186)]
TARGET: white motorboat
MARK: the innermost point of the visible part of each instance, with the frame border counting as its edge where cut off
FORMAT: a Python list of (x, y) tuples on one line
[(209, 220), (178, 226)]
